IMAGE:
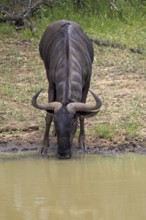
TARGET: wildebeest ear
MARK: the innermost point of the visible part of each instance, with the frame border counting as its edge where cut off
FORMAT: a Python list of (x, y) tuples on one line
[(87, 114)]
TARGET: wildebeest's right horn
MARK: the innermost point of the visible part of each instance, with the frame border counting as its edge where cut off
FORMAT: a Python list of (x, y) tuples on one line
[(52, 106), (85, 109)]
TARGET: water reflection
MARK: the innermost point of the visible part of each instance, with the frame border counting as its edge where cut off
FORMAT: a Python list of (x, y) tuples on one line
[(84, 188)]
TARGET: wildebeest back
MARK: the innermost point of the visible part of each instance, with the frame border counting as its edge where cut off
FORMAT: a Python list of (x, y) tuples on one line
[(67, 53)]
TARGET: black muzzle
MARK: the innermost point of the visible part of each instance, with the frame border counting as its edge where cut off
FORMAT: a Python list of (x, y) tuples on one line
[(64, 155)]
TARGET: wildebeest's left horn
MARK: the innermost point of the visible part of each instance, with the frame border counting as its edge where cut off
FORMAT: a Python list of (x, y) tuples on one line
[(85, 109), (52, 106)]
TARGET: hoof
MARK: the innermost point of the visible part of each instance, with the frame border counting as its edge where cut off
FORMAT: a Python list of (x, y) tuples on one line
[(43, 151), (82, 145)]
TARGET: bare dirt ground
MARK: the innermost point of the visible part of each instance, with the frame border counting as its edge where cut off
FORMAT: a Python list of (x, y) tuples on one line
[(119, 78)]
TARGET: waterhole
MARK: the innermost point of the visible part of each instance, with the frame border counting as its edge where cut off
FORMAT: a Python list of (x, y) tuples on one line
[(86, 187)]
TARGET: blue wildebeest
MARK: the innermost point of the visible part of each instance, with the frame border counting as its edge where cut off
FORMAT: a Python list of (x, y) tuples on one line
[(67, 54)]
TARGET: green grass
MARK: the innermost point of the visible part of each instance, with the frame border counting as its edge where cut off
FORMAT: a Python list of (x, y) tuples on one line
[(131, 128), (130, 123), (125, 25), (105, 130)]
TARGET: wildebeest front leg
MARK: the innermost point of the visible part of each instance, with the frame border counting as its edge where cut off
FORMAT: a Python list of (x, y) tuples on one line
[(82, 139), (49, 118), (44, 148)]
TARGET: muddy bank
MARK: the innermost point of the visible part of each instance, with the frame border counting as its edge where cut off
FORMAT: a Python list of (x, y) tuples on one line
[(100, 146)]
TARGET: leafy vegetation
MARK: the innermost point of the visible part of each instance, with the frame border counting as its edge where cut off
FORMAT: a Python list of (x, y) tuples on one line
[(120, 21)]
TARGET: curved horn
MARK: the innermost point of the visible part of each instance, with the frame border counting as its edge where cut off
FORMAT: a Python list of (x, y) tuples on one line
[(85, 108), (52, 106)]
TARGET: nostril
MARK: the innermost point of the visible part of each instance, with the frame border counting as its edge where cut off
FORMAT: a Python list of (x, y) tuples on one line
[(64, 155)]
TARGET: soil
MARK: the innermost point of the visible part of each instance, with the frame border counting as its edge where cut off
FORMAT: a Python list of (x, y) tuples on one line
[(30, 141)]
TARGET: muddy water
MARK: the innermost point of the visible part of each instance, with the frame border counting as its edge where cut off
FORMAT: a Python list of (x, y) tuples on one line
[(91, 187)]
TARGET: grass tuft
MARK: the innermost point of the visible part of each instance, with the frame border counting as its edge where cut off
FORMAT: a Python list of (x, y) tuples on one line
[(131, 128), (105, 130)]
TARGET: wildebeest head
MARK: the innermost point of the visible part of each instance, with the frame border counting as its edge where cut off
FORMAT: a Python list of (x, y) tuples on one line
[(65, 120), (65, 126)]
